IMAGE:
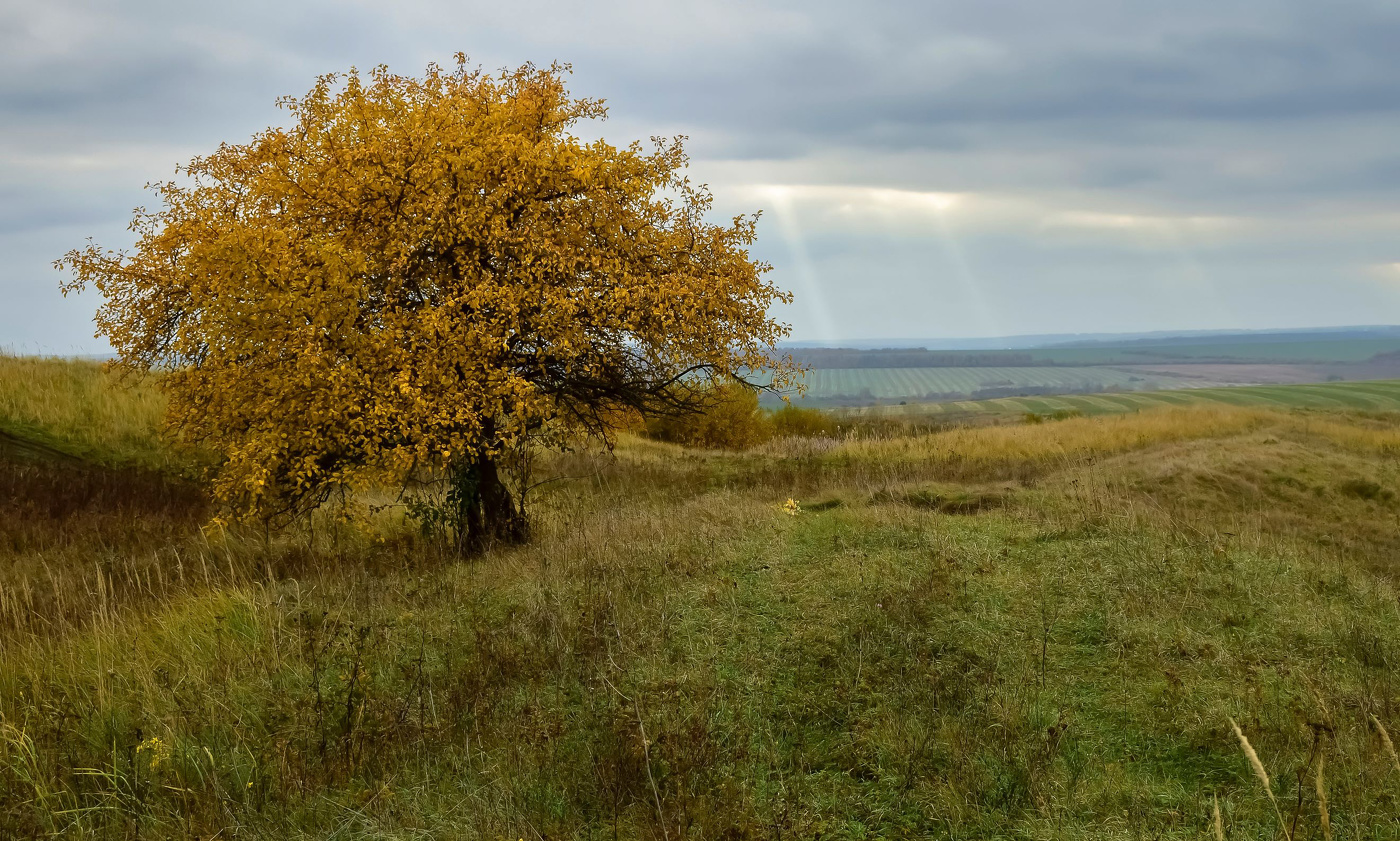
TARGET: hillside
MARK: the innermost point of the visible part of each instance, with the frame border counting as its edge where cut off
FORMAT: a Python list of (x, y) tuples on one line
[(76, 408), (1010, 630)]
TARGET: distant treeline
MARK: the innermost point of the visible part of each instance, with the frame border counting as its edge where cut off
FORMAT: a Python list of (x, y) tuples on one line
[(826, 358), (1036, 390)]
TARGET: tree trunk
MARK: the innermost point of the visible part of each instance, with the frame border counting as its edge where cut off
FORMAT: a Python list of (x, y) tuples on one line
[(483, 511), (502, 520)]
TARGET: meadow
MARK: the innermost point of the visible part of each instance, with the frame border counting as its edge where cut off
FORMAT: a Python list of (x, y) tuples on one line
[(1179, 622)]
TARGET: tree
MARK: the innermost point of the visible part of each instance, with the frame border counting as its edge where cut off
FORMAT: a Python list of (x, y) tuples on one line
[(421, 274)]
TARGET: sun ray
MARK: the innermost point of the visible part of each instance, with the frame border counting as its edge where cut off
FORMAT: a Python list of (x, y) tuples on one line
[(812, 294), (1194, 277), (968, 281)]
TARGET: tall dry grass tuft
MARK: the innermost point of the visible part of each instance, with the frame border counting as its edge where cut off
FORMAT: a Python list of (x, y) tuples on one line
[(1385, 740), (1261, 774), (1217, 825), (1324, 817), (1354, 435), (77, 538)]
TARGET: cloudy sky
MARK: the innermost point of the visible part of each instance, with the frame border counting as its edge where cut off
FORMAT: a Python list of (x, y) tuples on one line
[(926, 168)]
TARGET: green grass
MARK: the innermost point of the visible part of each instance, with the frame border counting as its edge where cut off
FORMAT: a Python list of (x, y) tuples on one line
[(1031, 631)]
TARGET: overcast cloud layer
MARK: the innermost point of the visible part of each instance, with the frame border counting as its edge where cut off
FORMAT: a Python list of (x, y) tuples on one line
[(925, 168)]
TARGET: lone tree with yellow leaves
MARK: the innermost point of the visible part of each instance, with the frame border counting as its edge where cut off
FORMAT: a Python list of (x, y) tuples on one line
[(418, 276)]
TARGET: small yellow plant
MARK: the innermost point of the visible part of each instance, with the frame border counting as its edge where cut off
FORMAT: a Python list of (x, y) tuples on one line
[(791, 507), (158, 749)]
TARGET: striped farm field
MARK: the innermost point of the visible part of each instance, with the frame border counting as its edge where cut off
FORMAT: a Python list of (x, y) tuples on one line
[(915, 383), (1375, 395), (1324, 350)]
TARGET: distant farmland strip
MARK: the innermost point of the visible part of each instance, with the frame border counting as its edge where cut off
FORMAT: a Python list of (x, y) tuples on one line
[(917, 383), (1380, 395), (1327, 350)]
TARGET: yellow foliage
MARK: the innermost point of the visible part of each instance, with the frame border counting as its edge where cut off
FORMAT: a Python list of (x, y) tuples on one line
[(727, 418), (801, 422), (418, 272)]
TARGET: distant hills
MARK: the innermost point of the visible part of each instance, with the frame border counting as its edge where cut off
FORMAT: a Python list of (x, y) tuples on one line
[(934, 370)]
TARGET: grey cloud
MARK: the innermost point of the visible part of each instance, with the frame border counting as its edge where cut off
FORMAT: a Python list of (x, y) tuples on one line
[(1279, 112)]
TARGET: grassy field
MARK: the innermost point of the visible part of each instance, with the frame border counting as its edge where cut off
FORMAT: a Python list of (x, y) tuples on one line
[(899, 383), (78, 408), (1040, 631), (1375, 396)]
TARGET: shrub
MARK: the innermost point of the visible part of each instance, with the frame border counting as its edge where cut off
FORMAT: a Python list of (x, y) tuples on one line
[(729, 420), (1058, 414), (798, 422), (1366, 489)]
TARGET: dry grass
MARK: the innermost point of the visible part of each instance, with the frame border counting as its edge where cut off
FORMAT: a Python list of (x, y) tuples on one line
[(1385, 740), (1320, 788), (1357, 432), (989, 447), (1260, 774), (78, 540)]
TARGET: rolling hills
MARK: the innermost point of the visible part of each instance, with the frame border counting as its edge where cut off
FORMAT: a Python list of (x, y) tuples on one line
[(855, 377), (1018, 630)]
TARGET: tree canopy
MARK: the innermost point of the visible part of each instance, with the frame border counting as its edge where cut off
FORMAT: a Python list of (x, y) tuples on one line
[(417, 273)]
